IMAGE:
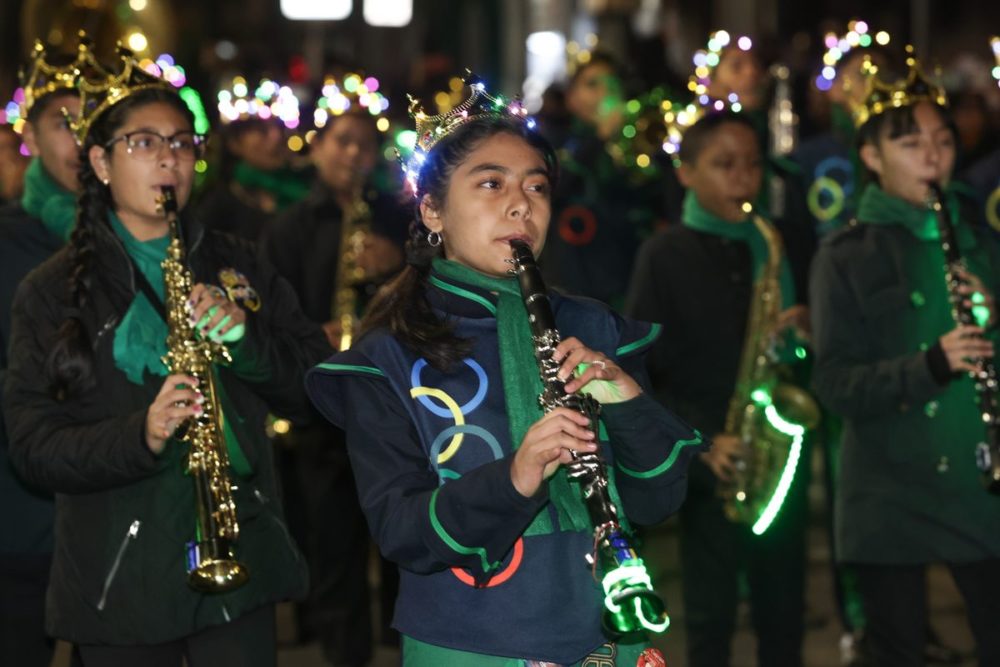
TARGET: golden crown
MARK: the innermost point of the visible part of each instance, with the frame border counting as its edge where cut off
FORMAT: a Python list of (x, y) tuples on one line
[(100, 89), (41, 78), (432, 129), (880, 95)]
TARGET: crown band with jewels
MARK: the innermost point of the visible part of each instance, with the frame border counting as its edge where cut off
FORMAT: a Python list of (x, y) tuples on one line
[(432, 129), (881, 96), (101, 89), (41, 78)]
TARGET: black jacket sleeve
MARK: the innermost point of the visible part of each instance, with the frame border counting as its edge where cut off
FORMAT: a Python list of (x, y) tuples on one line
[(47, 446), (471, 522), (847, 377), (280, 344)]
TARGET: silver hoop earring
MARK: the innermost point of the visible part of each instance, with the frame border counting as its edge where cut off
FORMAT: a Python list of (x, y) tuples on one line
[(433, 239)]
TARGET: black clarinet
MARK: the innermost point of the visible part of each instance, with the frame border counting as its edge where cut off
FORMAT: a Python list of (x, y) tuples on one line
[(631, 604), (985, 379)]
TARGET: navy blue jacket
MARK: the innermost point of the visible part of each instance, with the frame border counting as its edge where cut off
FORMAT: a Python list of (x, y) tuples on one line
[(431, 452)]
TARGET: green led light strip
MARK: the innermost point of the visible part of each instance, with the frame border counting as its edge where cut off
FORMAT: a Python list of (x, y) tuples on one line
[(796, 432)]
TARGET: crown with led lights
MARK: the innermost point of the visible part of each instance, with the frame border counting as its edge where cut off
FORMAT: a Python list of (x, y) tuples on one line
[(100, 88), (268, 100), (352, 93), (858, 35), (880, 96), (706, 60), (432, 129)]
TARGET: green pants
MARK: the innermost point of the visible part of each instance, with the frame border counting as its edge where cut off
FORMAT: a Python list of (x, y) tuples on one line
[(419, 654)]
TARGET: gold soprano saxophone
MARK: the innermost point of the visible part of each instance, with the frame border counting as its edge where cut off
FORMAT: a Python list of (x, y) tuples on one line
[(212, 568), (355, 227), (768, 415)]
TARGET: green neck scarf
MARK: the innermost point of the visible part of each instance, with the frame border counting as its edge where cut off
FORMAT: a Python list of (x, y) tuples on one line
[(141, 337), (698, 218), (522, 385), (284, 184), (48, 201), (878, 208)]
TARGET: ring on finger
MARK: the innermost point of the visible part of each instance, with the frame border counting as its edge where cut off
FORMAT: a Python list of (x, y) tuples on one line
[(601, 363), (216, 292)]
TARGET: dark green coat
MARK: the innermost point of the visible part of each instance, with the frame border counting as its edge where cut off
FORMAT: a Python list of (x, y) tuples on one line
[(909, 490)]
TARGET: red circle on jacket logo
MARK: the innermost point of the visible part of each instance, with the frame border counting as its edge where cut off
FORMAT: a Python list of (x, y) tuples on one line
[(499, 577), (577, 225), (651, 657)]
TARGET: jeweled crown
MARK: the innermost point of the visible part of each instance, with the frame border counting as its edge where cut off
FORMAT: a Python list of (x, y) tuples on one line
[(101, 88), (432, 129), (881, 96), (40, 77)]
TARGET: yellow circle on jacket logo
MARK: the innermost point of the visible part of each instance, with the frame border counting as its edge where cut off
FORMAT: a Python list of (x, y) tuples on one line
[(834, 194), (456, 414), (992, 204)]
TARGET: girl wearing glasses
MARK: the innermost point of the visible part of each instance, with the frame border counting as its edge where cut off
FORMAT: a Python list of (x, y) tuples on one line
[(93, 414)]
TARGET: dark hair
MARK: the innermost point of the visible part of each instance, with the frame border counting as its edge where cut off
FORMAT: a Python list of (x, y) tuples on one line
[(402, 305), (894, 123), (70, 363), (698, 135), (42, 104)]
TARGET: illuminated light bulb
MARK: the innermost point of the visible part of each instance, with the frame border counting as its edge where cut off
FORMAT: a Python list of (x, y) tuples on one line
[(137, 42)]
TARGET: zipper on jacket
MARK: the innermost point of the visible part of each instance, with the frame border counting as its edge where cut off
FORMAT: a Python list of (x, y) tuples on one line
[(130, 536)]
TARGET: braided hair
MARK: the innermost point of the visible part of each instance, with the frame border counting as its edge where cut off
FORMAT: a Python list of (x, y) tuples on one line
[(70, 365), (402, 306)]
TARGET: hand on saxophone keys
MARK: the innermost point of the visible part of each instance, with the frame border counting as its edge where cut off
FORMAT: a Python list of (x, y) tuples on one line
[(724, 456), (179, 399), (215, 316)]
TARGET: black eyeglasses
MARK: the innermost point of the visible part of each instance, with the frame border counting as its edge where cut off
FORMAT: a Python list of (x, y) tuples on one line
[(146, 145)]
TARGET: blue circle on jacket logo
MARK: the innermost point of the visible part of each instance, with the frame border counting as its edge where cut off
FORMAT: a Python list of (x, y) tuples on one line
[(444, 412)]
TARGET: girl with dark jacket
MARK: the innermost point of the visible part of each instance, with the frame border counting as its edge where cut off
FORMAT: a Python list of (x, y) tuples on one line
[(892, 362), (93, 415), (460, 475)]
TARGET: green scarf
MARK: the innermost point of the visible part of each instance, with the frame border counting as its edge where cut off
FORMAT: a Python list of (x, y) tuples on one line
[(698, 218), (522, 386), (286, 185), (48, 201), (141, 337), (878, 208)]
